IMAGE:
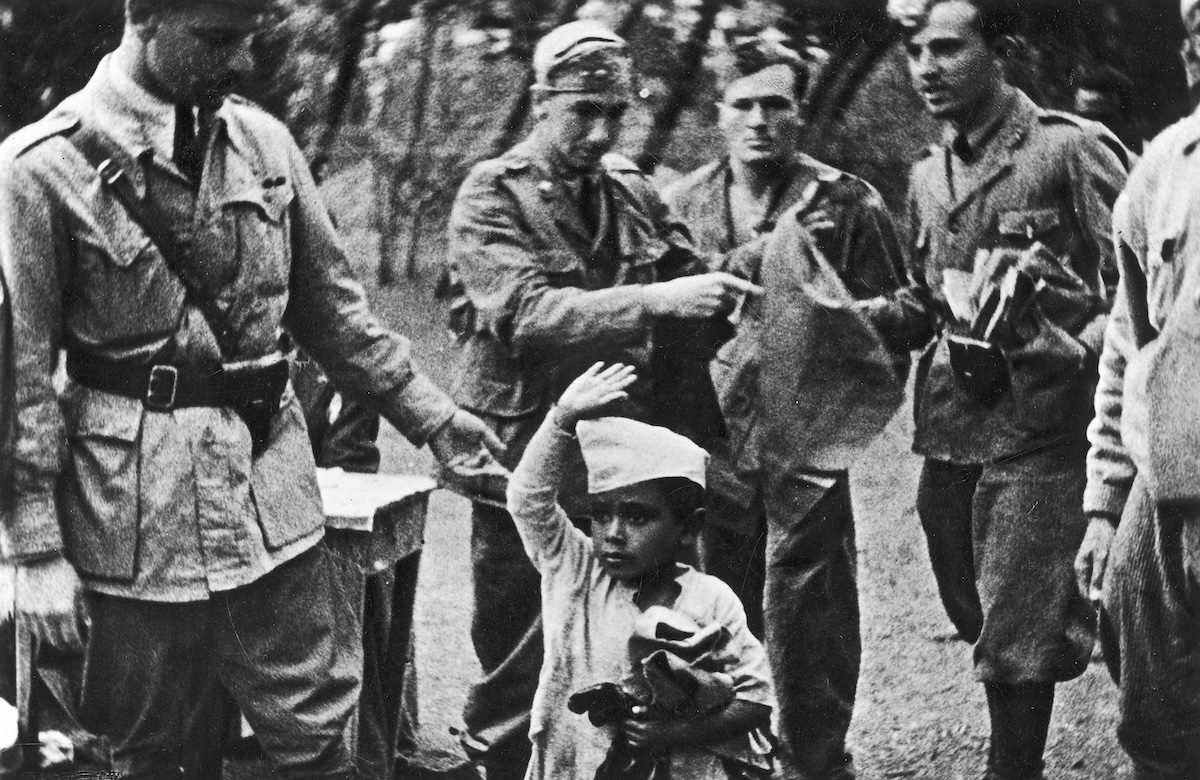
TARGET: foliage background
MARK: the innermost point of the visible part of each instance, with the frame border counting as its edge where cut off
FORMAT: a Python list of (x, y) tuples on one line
[(406, 96)]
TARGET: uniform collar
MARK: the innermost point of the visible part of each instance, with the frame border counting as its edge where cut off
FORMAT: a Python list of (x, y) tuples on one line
[(138, 121), (995, 115)]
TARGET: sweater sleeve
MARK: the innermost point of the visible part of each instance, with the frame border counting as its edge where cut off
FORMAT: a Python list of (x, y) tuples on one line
[(552, 543)]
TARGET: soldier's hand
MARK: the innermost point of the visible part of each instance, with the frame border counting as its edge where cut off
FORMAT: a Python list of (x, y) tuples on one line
[(49, 598), (1092, 561), (698, 297), (466, 443)]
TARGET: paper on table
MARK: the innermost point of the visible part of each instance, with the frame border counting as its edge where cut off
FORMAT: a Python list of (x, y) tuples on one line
[(352, 499)]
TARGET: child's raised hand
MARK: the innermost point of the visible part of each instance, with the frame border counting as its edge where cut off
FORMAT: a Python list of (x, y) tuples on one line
[(593, 390)]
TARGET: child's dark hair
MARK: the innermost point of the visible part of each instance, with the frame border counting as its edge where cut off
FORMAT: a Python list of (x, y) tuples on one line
[(686, 499)]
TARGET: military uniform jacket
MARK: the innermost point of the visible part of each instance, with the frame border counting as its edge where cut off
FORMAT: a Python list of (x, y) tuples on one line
[(170, 505), (537, 299), (854, 231), (1041, 176)]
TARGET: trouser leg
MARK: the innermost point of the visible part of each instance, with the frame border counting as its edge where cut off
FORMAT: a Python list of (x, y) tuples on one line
[(1020, 720), (944, 497), (1151, 636), (738, 558), (282, 658), (506, 629), (151, 686), (812, 621), (1029, 522)]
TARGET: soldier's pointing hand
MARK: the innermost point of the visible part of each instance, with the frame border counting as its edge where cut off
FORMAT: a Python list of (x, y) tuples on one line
[(698, 297)]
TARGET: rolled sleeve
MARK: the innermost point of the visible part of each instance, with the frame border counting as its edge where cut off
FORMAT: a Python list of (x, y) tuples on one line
[(329, 317)]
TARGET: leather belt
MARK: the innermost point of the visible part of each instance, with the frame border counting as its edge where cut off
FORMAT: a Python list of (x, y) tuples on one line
[(162, 386)]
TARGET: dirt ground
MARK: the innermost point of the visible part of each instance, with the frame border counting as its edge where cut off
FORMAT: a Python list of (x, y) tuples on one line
[(920, 712)]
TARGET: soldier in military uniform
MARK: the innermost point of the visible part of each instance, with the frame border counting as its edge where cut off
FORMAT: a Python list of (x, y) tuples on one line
[(736, 202), (1003, 395), (562, 255), (163, 234)]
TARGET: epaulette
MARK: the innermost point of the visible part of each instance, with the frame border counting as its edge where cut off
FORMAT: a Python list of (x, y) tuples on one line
[(27, 137), (830, 175), (1103, 134)]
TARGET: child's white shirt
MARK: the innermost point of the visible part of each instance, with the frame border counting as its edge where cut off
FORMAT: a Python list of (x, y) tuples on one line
[(588, 618)]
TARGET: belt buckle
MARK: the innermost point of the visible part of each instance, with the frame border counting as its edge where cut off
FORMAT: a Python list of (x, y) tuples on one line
[(160, 390)]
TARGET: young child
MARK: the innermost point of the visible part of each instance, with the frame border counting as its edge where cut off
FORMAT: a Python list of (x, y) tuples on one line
[(646, 491)]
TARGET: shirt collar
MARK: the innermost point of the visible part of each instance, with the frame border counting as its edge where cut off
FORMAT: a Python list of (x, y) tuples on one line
[(995, 115), (135, 118)]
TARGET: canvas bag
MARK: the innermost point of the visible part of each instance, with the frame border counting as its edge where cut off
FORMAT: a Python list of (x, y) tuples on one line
[(828, 383)]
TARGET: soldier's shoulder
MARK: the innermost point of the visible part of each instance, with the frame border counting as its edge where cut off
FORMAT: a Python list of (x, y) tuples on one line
[(1179, 138), (840, 186), (1067, 128), (627, 173), (512, 163), (56, 124), (1163, 158), (691, 183)]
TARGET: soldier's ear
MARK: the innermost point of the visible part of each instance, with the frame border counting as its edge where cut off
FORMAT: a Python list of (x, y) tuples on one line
[(1007, 48)]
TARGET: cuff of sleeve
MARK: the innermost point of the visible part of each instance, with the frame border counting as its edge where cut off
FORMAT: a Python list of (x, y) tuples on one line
[(421, 410), (1107, 501), (33, 531)]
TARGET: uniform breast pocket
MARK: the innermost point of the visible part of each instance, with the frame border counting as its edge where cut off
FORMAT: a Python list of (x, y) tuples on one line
[(100, 486), (121, 288), (262, 230)]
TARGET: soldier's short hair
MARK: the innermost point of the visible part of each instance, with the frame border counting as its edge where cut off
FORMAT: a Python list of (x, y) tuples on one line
[(757, 54), (997, 18), (138, 11)]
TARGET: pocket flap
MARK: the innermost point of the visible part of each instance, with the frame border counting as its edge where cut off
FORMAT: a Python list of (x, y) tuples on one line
[(91, 413), (272, 201), (1028, 223)]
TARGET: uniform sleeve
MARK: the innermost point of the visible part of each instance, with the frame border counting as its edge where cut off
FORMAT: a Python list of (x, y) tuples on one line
[(328, 315), (1110, 469), (1095, 178), (35, 261), (508, 280), (869, 257), (555, 546)]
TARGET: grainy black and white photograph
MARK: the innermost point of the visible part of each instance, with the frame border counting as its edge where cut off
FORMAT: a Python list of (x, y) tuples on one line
[(599, 389)]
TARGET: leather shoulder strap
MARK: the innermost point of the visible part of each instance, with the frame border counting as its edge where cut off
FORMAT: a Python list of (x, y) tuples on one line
[(102, 154)]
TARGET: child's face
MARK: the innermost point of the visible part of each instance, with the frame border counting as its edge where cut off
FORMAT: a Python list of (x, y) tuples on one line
[(635, 530)]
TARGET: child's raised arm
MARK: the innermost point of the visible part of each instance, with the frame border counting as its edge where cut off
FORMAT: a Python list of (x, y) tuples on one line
[(592, 392), (533, 487)]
